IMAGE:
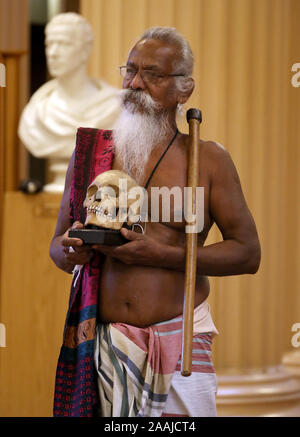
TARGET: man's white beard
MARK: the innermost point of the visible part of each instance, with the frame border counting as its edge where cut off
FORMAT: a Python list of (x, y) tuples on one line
[(141, 125)]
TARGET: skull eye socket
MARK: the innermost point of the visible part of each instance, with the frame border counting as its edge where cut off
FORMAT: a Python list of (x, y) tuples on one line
[(116, 190), (107, 191), (92, 190), (111, 190)]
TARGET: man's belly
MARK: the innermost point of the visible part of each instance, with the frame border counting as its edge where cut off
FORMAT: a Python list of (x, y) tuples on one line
[(142, 296)]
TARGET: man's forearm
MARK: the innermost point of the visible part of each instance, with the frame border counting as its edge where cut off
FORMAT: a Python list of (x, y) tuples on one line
[(225, 258)]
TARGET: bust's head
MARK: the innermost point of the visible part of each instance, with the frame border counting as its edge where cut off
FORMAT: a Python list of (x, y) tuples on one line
[(68, 39)]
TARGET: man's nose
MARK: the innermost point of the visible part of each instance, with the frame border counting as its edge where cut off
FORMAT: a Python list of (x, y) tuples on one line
[(137, 82), (52, 49)]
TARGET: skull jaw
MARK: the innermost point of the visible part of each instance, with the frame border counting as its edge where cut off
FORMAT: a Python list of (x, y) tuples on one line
[(92, 219)]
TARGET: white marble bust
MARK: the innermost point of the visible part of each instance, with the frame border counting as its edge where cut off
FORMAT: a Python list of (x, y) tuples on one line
[(72, 99)]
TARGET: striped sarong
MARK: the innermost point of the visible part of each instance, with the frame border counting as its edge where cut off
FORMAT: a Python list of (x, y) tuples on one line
[(194, 396), (135, 366)]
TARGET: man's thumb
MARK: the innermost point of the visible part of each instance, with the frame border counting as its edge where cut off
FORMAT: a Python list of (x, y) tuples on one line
[(77, 225), (130, 235)]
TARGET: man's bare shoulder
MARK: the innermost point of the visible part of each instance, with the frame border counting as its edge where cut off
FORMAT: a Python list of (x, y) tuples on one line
[(213, 152), (208, 145), (218, 161), (212, 148)]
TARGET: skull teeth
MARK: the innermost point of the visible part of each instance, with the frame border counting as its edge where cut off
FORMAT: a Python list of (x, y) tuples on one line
[(99, 211)]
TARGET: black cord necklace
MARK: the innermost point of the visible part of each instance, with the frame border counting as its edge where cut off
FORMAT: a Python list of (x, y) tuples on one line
[(158, 162), (142, 228)]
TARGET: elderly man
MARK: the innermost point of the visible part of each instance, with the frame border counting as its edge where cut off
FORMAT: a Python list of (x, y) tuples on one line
[(131, 345)]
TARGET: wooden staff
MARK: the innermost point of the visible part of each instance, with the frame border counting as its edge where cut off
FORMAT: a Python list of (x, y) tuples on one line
[(194, 119)]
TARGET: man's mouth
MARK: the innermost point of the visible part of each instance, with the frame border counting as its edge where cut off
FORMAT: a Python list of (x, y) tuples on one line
[(139, 101), (133, 96)]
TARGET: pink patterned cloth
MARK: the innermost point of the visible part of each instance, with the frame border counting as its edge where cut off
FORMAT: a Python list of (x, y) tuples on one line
[(76, 392)]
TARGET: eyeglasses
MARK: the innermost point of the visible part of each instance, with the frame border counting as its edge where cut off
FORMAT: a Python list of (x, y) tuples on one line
[(147, 75)]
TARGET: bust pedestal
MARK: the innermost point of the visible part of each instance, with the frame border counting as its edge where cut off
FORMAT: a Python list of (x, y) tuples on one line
[(57, 169), (34, 296)]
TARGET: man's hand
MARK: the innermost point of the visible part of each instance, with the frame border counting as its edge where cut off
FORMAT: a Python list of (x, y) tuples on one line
[(75, 251), (140, 249)]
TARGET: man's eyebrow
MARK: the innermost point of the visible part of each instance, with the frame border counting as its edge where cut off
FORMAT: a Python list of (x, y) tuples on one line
[(151, 67), (146, 67), (59, 39)]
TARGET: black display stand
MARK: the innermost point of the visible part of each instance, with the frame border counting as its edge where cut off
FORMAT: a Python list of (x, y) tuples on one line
[(96, 235)]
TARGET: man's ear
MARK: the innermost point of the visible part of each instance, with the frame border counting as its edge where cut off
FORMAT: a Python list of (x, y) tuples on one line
[(86, 52), (186, 89)]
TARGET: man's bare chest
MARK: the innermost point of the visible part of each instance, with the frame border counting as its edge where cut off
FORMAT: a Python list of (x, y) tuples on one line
[(166, 196)]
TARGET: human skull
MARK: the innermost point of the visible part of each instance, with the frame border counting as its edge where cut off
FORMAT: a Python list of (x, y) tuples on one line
[(111, 200)]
